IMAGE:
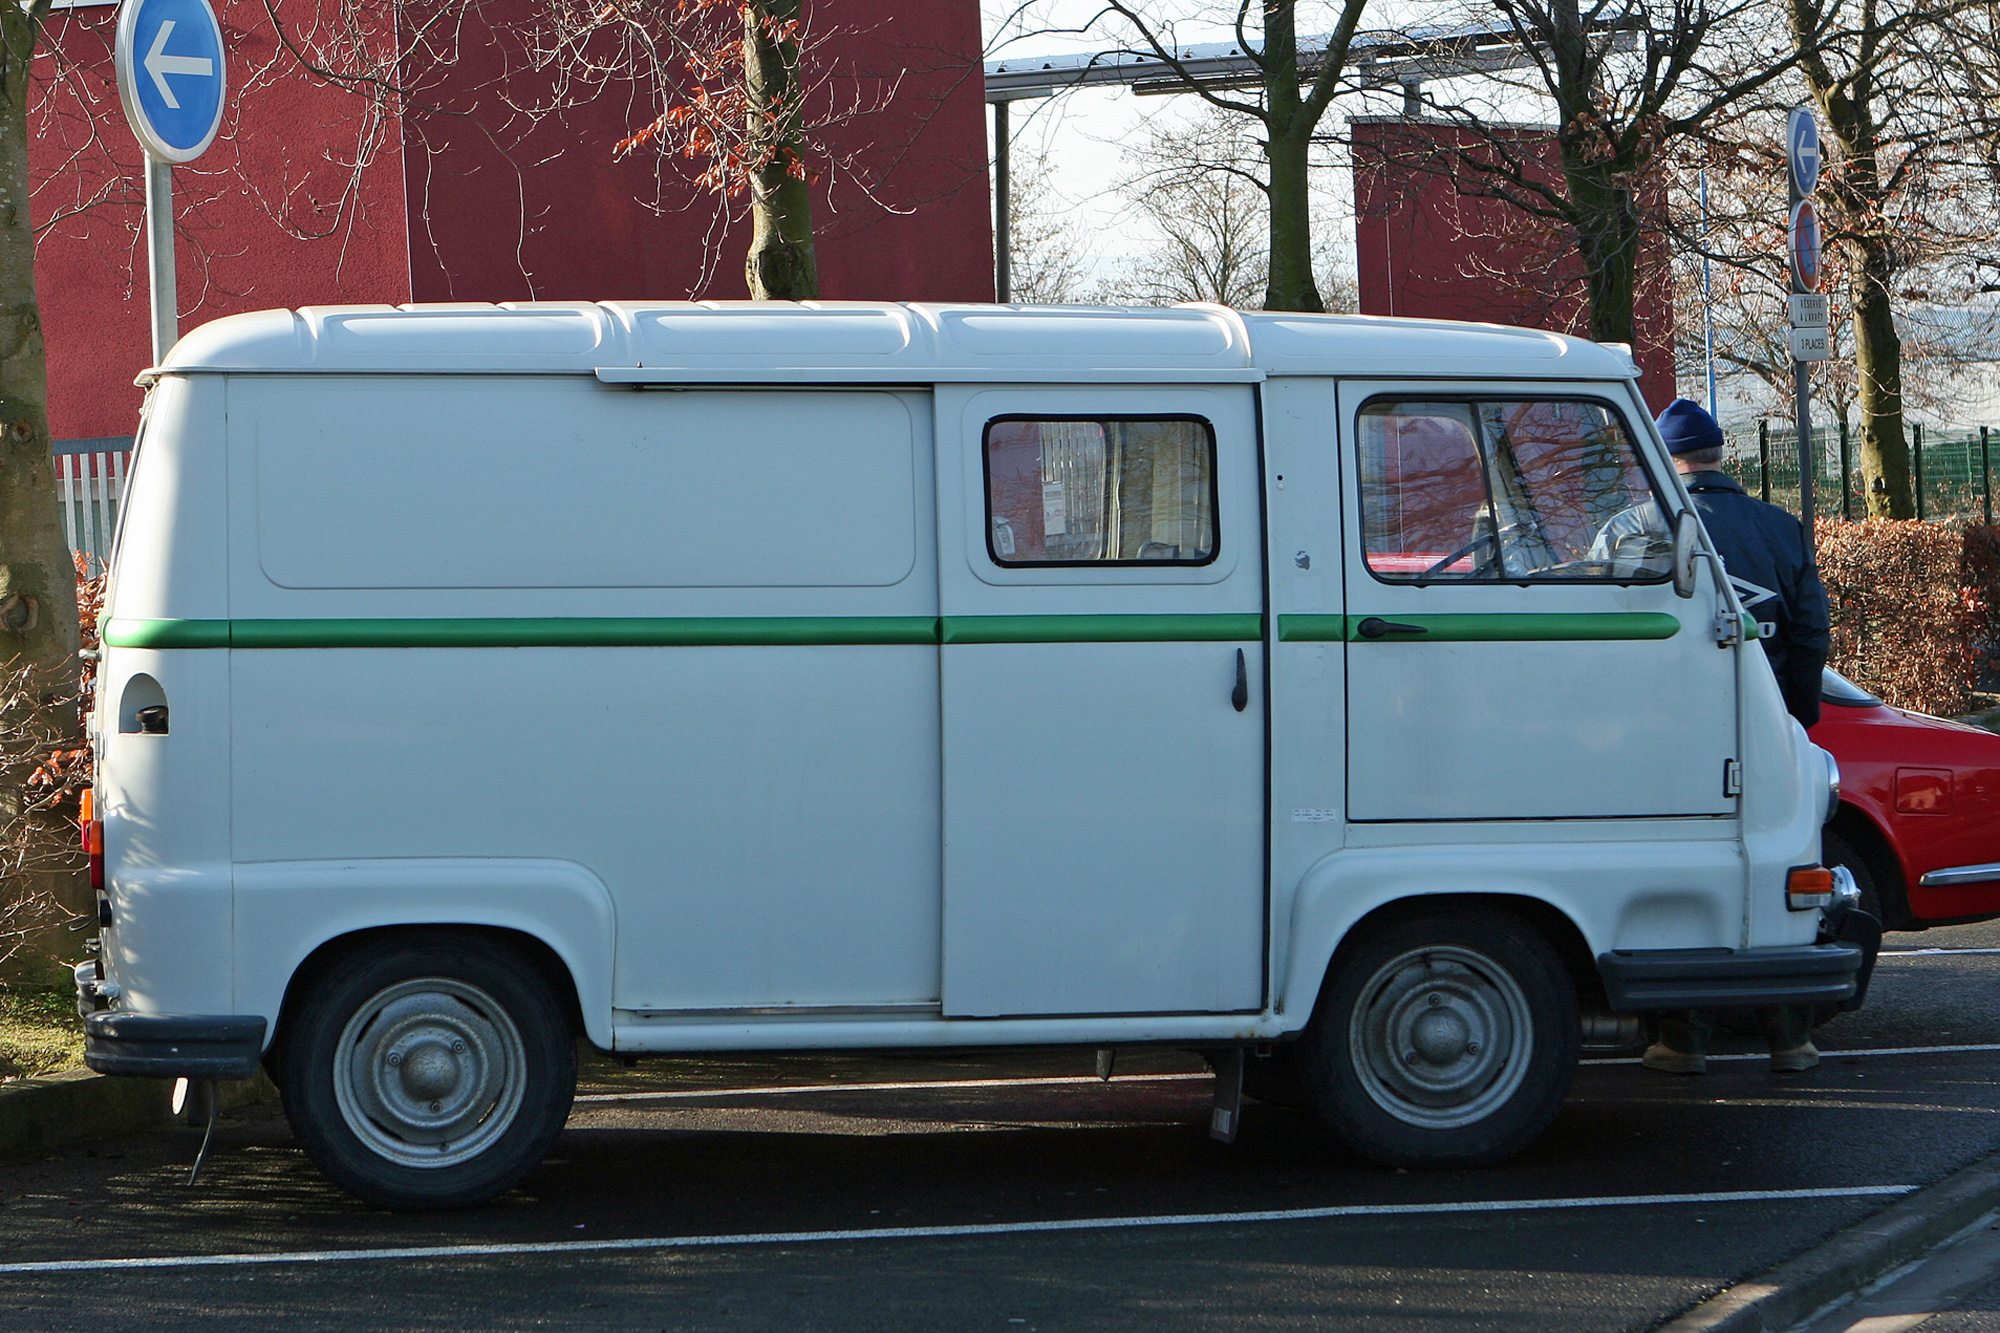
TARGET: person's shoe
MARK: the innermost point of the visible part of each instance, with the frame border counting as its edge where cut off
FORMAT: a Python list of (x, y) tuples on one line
[(1801, 1057), (1667, 1060)]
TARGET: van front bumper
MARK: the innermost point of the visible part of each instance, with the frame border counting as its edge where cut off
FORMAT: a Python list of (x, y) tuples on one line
[(1639, 980), (224, 1046)]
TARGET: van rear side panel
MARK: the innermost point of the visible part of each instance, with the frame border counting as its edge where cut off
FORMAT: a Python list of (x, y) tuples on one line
[(684, 640), (164, 798)]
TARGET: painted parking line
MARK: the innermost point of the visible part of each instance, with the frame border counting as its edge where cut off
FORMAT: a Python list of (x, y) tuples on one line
[(761, 1238), (1929, 953), (1079, 1080), (1827, 1054), (950, 1084)]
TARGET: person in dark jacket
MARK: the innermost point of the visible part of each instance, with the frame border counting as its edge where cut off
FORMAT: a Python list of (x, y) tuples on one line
[(1764, 550), (1765, 555)]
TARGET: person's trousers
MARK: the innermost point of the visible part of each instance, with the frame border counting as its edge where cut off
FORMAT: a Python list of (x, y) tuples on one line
[(1784, 1026)]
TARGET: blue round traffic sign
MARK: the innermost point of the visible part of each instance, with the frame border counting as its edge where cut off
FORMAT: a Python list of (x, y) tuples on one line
[(1802, 149), (171, 75)]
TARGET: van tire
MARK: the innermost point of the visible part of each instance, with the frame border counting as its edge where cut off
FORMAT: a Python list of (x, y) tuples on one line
[(1444, 1040), (419, 1050)]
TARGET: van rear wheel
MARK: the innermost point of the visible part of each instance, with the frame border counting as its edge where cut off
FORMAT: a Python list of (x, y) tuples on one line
[(429, 1074), (1446, 1040)]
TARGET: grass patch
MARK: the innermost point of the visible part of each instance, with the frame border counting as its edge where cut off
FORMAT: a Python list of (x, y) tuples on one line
[(39, 1032)]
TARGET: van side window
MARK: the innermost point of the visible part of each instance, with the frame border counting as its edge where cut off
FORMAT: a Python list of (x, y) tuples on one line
[(1507, 490), (1100, 490)]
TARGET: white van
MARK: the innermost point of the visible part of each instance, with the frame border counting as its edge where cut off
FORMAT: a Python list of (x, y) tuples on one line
[(726, 677)]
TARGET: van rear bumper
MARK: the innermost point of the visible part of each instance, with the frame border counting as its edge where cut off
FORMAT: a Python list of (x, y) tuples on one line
[(173, 1045), (1637, 980)]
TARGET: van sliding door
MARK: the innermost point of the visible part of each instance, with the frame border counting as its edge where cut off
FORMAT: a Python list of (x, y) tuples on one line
[(1103, 701)]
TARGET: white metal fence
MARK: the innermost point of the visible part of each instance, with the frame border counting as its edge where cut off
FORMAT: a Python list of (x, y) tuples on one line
[(89, 487)]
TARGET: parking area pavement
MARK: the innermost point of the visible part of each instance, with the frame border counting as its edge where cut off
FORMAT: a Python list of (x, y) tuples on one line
[(1007, 1192)]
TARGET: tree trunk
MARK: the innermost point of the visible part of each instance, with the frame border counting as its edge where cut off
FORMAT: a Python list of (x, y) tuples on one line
[(780, 266), (1878, 370), (38, 628), (1854, 203), (1607, 228), (1289, 285)]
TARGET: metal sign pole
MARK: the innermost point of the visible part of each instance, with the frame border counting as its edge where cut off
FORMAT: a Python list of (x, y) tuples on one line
[(1801, 175), (160, 257), (173, 81)]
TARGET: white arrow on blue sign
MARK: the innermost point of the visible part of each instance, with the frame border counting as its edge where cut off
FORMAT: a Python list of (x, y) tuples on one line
[(171, 75), (1802, 149)]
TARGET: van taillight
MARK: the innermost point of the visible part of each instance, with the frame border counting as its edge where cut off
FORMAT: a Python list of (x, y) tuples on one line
[(93, 844), (1807, 887)]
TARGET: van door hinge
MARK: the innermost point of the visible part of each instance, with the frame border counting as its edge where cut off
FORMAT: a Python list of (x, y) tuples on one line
[(1732, 778), (1728, 628)]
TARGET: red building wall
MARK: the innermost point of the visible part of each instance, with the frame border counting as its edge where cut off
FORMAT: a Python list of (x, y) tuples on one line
[(466, 201), (1426, 248)]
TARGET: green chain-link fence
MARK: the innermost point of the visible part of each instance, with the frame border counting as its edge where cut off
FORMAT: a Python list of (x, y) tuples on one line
[(1952, 470)]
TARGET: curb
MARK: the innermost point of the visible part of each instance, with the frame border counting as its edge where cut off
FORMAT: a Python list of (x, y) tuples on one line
[(42, 1113), (1801, 1287)]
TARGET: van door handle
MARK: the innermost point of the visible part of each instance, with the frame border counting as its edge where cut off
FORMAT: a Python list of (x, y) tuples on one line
[(1240, 696), (1374, 627)]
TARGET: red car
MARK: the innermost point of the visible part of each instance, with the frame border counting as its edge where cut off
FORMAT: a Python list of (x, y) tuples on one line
[(1919, 819)]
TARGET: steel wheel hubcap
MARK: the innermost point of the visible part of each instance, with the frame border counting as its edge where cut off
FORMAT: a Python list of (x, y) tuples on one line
[(1441, 1037), (430, 1072)]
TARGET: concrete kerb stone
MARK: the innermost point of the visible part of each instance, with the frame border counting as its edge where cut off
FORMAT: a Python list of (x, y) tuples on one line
[(41, 1113), (1803, 1286)]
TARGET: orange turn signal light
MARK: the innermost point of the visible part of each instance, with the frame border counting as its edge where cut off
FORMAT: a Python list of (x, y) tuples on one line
[(1807, 887)]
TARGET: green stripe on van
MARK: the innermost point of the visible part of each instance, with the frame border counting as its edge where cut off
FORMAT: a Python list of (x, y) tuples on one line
[(1524, 627), (164, 633), (678, 631), (579, 632), (1104, 629)]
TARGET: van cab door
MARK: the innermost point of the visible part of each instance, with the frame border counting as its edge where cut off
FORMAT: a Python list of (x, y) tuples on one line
[(1101, 589), (1514, 646)]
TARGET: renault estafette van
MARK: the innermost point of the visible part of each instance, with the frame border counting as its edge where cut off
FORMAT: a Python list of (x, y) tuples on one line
[(729, 677)]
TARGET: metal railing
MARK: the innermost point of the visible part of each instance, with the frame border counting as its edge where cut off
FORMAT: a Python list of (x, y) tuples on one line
[(1951, 471), (89, 489)]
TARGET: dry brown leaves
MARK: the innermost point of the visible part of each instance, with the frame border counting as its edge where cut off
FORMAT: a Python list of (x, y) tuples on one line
[(1909, 617)]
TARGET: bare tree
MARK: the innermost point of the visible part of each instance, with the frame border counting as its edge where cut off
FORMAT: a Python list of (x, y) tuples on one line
[(38, 619), (1050, 249), (1198, 187), (1628, 79), (1903, 111), (1291, 93)]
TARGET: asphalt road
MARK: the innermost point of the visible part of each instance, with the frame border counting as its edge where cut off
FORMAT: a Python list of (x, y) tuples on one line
[(1017, 1193)]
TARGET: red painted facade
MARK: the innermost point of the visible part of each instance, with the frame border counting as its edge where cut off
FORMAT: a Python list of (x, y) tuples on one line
[(466, 202), (1427, 248)]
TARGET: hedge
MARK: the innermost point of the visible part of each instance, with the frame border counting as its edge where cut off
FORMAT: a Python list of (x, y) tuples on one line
[(1916, 608)]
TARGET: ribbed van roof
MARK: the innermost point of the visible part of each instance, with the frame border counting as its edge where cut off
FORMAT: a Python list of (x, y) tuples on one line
[(710, 341)]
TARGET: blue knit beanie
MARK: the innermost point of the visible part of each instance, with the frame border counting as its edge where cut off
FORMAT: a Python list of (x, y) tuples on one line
[(1686, 427)]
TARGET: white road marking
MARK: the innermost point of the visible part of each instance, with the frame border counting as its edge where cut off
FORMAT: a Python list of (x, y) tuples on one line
[(1825, 1054), (1079, 1080), (679, 1094), (943, 1232), (1928, 953)]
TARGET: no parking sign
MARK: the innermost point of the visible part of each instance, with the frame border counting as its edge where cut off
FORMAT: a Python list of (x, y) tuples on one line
[(1805, 246)]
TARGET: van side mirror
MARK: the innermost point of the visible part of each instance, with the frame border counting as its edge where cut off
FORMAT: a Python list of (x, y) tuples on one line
[(1687, 549)]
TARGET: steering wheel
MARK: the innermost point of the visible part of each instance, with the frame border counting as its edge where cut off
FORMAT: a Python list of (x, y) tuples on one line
[(1463, 551)]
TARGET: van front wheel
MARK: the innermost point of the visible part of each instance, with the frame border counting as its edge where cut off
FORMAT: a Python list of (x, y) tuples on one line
[(1443, 1041), (429, 1074)]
